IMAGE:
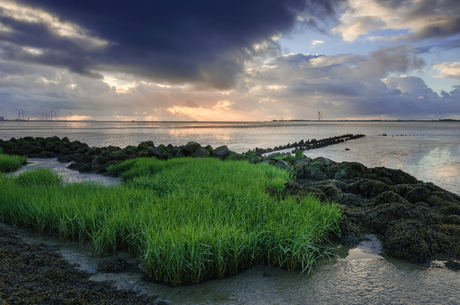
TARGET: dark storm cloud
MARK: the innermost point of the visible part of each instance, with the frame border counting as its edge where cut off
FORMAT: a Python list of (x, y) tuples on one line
[(201, 42)]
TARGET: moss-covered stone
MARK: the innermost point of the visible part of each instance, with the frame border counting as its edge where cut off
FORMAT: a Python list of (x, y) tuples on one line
[(283, 165)]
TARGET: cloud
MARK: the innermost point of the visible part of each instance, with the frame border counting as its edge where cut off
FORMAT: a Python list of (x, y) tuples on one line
[(449, 70), (205, 43), (316, 43), (407, 20)]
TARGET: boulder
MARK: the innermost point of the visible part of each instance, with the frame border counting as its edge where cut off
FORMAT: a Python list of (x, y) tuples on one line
[(235, 157), (283, 165), (324, 161), (222, 152), (156, 151), (275, 156), (417, 194), (388, 197), (314, 168), (210, 150), (191, 147), (372, 188), (254, 159), (201, 153), (166, 156), (348, 170)]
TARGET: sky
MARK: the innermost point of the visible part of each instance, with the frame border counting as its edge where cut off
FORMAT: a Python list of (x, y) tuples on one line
[(251, 60)]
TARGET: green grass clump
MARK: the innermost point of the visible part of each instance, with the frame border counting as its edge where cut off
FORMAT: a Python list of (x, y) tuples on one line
[(11, 163), (187, 219), (39, 177)]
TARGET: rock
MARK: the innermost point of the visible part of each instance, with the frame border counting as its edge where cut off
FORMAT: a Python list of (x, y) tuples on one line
[(349, 170), (324, 161), (303, 161), (274, 156), (112, 264), (299, 172), (417, 194), (222, 152), (373, 188), (46, 154), (299, 154), (166, 156), (313, 168), (65, 159), (191, 147), (283, 165), (254, 159), (235, 157), (210, 150), (388, 197), (453, 265), (330, 190), (409, 239), (53, 139), (179, 154), (156, 151), (201, 153)]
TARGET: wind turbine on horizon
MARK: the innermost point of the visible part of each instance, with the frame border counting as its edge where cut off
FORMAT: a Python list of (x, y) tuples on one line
[(19, 113), (51, 114), (70, 114)]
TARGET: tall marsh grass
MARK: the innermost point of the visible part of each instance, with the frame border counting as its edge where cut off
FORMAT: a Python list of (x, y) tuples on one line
[(187, 219), (11, 163)]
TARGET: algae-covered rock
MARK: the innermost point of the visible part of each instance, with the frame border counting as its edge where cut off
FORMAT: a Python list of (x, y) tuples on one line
[(191, 147), (373, 188), (283, 165), (299, 154), (254, 159), (235, 157), (388, 197), (156, 151), (324, 161), (330, 190), (410, 239), (222, 152), (303, 161), (210, 150), (289, 159), (274, 156), (314, 168), (349, 170), (201, 153), (417, 194), (299, 171)]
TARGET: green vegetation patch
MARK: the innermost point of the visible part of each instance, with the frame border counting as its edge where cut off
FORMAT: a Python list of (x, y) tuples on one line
[(11, 163), (187, 219)]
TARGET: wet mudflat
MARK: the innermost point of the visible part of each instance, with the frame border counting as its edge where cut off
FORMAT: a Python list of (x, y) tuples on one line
[(37, 274), (356, 276)]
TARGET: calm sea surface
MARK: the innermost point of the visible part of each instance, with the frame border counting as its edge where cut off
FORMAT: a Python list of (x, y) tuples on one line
[(429, 151)]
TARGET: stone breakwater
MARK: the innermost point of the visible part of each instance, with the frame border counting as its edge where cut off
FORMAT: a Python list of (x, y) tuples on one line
[(310, 144), (415, 220)]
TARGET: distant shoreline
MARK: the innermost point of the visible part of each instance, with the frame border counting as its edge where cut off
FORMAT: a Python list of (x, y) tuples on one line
[(294, 120)]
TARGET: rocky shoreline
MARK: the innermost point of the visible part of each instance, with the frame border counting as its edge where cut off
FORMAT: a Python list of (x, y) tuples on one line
[(415, 220)]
